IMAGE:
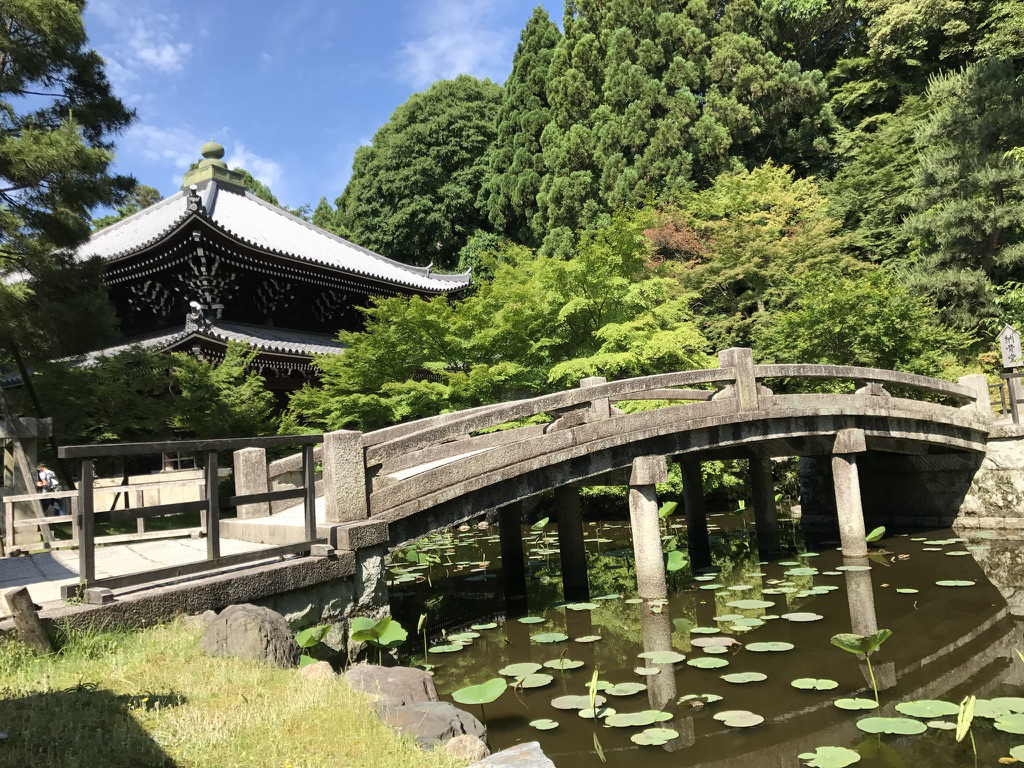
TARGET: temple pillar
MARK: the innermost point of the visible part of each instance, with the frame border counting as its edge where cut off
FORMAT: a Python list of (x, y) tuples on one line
[(697, 540), (571, 548), (643, 519)]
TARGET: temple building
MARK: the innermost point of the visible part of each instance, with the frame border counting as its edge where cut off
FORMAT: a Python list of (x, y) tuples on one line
[(213, 263)]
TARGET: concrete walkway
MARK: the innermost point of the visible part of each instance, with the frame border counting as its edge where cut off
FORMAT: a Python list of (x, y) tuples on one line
[(45, 572)]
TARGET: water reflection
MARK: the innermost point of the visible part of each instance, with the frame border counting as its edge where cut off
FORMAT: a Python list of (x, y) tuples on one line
[(860, 599)]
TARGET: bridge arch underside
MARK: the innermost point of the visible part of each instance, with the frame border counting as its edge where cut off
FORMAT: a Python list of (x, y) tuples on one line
[(461, 489)]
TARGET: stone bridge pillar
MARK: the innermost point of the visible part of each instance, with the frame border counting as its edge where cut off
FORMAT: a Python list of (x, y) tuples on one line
[(846, 481), (513, 563), (762, 491), (697, 540), (643, 519), (573, 552)]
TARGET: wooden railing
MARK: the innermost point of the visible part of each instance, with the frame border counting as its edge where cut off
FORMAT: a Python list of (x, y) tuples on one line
[(209, 507)]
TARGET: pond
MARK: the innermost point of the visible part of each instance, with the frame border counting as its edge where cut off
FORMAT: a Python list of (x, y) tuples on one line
[(737, 667)]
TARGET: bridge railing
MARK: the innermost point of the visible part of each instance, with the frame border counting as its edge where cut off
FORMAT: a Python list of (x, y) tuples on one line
[(209, 507)]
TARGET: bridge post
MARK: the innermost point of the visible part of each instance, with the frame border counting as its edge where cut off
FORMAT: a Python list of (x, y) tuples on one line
[(600, 408), (513, 563), (344, 465), (250, 469), (643, 520), (762, 491), (982, 399), (696, 514), (571, 548), (745, 387), (846, 482)]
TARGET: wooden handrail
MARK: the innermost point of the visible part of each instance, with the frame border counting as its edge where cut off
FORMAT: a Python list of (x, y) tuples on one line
[(102, 450)]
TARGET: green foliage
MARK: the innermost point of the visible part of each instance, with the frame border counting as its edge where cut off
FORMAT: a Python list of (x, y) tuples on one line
[(311, 636), (141, 197), (413, 191), (57, 113), (385, 633)]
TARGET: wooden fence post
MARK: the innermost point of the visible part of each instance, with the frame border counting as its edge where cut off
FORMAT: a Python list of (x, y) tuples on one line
[(309, 486), (87, 526), (212, 507), (26, 620)]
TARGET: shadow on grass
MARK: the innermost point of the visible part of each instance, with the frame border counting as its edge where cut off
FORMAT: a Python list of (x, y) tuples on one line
[(81, 727)]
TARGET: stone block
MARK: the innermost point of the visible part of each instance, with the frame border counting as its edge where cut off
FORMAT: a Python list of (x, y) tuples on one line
[(431, 723), (397, 686), (320, 670), (648, 470), (467, 748), (250, 466), (345, 476), (98, 596), (528, 755), (354, 536), (850, 441)]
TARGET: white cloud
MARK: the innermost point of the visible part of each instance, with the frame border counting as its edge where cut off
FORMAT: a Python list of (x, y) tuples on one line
[(263, 168), (137, 39), (456, 38), (176, 147)]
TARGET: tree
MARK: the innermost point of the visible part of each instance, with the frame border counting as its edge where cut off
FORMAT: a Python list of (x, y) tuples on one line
[(413, 191), (969, 190), (326, 217), (746, 237), (515, 163), (874, 319), (57, 114), (139, 198)]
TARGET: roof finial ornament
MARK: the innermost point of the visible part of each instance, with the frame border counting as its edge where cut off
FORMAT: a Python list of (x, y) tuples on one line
[(211, 167), (195, 202)]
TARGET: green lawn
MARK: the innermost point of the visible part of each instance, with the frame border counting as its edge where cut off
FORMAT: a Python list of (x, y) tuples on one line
[(152, 698)]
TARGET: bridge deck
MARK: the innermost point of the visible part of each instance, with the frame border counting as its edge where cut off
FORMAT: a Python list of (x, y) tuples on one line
[(44, 573)]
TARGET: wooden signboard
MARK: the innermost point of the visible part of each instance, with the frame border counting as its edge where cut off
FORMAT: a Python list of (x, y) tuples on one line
[(1010, 347)]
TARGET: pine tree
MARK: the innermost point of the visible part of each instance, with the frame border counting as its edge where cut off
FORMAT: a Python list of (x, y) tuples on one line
[(515, 163)]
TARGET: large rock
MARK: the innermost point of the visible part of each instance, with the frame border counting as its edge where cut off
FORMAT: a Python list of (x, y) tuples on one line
[(251, 632), (528, 755), (396, 685), (318, 670), (467, 748), (431, 723)]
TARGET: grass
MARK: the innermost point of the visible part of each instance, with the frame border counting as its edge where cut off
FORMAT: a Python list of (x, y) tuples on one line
[(152, 698)]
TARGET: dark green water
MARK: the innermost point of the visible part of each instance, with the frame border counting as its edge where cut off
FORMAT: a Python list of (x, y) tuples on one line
[(947, 642)]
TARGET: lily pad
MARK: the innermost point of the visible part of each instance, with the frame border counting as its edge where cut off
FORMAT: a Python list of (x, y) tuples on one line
[(488, 625), (587, 639), (576, 702), (549, 637), (955, 583), (927, 709), (581, 606), (802, 616), (744, 677), (1013, 723), (647, 671), (1011, 703), (462, 637), (625, 689), (634, 719), (855, 703), (662, 657), (716, 649), (901, 726), (711, 587), (707, 662), (750, 605), (544, 724), (802, 571), (707, 698), (941, 725), (702, 642), (654, 737), (1017, 753), (740, 587), (531, 620), (830, 757), (814, 684), (608, 597), (521, 669), (729, 617), (738, 718), (484, 693), (705, 631), (590, 714), (447, 648), (535, 680), (747, 621), (769, 647), (563, 664), (907, 590)]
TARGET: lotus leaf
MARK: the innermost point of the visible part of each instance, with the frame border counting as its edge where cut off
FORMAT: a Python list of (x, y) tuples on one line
[(703, 578), (581, 606), (702, 642), (861, 645), (1010, 724), (590, 714), (489, 625), (563, 664), (990, 708), (738, 718), (814, 684), (662, 657), (744, 677), (607, 597), (677, 560), (707, 662), (520, 669), (576, 702), (830, 757), (484, 693), (1011, 703), (463, 637), (856, 703), (955, 583), (740, 587), (707, 698), (789, 563), (750, 605), (705, 630), (531, 620), (901, 726), (540, 524), (711, 586), (906, 590), (534, 680), (941, 725), (1017, 753), (715, 649), (875, 535), (927, 709), (635, 719), (647, 671), (550, 637), (803, 571), (447, 648), (309, 637), (625, 689), (802, 616), (807, 554), (587, 639), (654, 737), (544, 724), (769, 646)]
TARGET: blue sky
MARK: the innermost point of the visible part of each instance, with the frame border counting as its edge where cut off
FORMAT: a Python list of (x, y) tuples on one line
[(290, 88)]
